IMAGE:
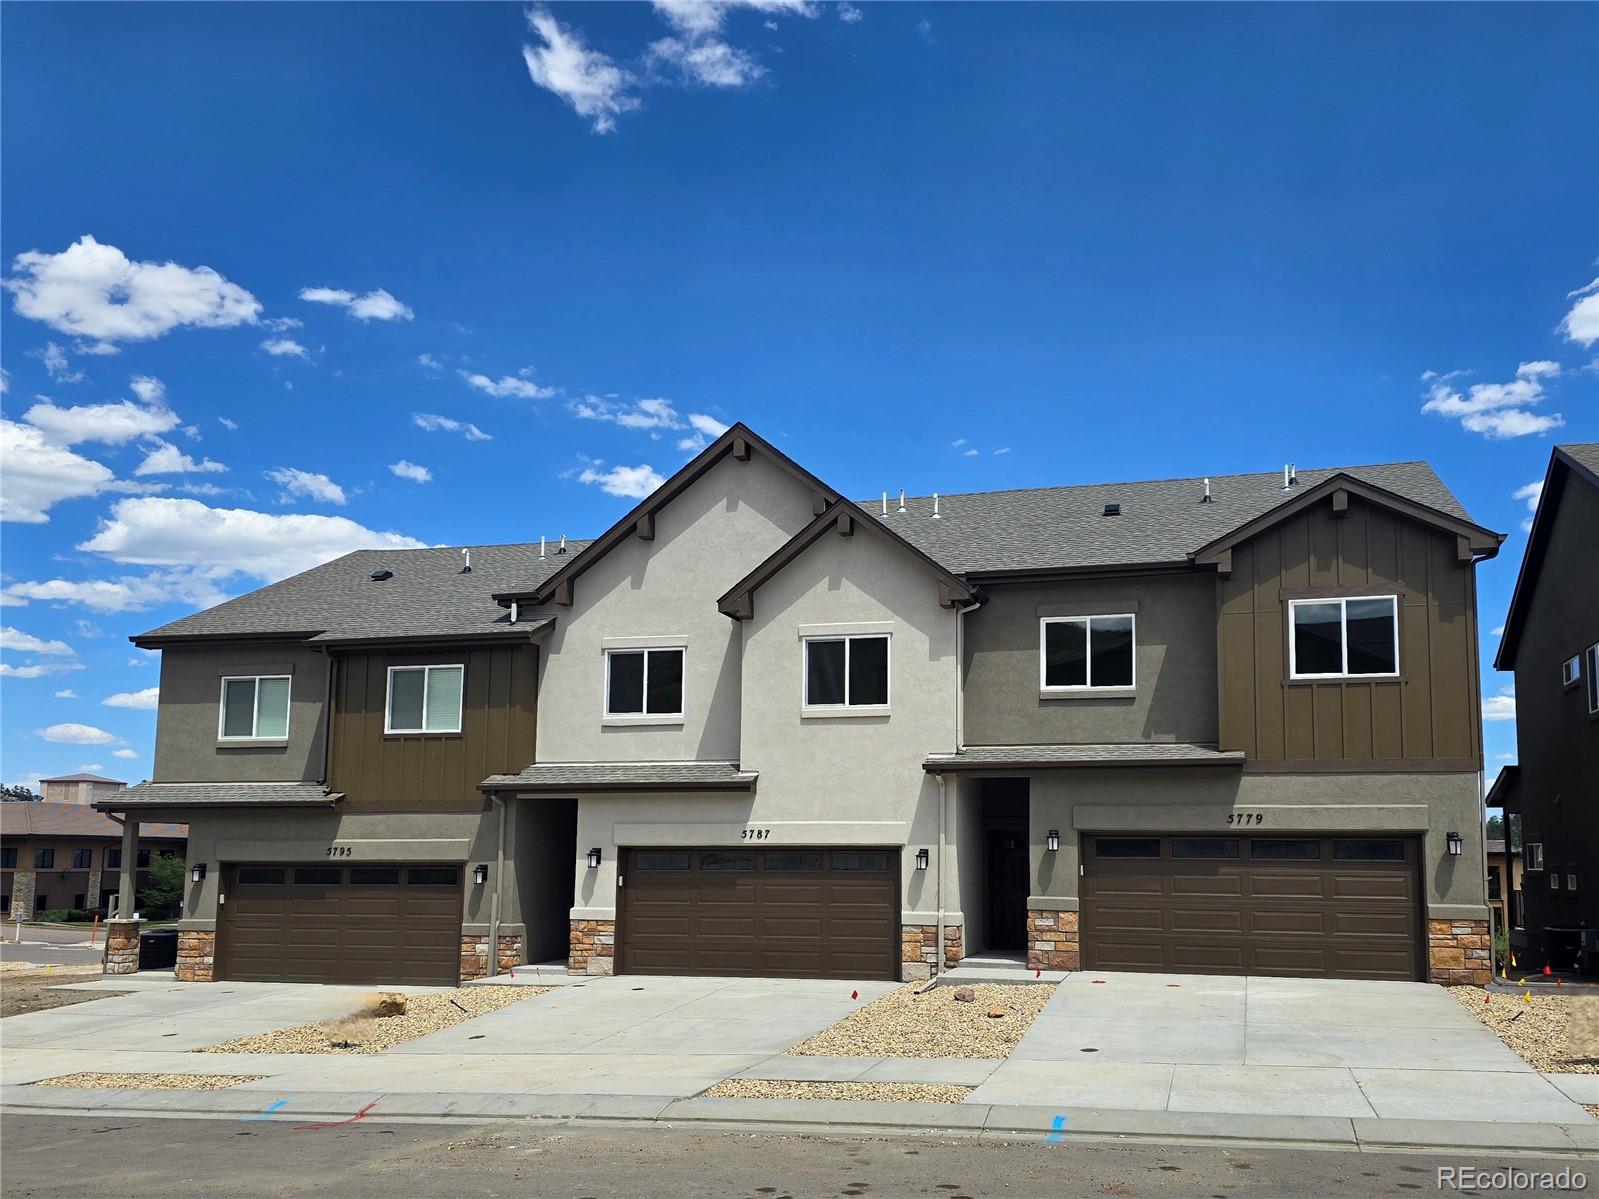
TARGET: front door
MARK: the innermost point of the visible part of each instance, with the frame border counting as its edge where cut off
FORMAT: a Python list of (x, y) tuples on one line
[(1007, 890)]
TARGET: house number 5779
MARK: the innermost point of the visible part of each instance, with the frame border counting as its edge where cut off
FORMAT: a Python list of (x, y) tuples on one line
[(1246, 818)]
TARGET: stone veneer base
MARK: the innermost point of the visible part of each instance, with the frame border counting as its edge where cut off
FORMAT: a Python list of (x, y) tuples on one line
[(196, 955), (592, 947), (475, 955), (1052, 940), (919, 950), (1459, 951), (122, 947)]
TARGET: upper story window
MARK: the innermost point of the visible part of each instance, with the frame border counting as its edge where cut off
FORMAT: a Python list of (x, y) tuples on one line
[(255, 707), (1571, 671), (424, 699), (44, 859), (644, 682), (80, 858), (8, 857), (1591, 657), (1533, 855), (846, 672), (1078, 652), (1348, 637)]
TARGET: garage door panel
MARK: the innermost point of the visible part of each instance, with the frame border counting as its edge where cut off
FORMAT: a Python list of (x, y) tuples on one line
[(1207, 920), (1126, 918), (1372, 885), (1285, 884), (1230, 885), (1214, 957), (1304, 922)]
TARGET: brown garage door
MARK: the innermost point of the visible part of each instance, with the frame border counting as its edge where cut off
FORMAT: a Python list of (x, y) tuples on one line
[(780, 913), (1316, 907), (341, 924)]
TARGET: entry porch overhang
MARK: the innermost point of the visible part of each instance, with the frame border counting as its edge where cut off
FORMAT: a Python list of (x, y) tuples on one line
[(991, 758), (577, 778), (219, 795)]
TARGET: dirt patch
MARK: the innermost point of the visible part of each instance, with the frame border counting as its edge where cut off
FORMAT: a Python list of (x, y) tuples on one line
[(884, 1092), (934, 1024), (25, 987), (360, 1032), (175, 1082), (1558, 1034)]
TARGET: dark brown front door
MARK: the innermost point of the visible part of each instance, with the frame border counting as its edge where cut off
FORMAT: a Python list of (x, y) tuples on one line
[(1007, 890), (341, 924), (1314, 907), (775, 913)]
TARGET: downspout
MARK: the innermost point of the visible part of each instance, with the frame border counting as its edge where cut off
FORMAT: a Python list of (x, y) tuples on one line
[(943, 840), (499, 885), (327, 721)]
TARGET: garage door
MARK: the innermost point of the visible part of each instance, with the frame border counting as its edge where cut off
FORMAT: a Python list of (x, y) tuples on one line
[(341, 924), (779, 913), (1314, 907)]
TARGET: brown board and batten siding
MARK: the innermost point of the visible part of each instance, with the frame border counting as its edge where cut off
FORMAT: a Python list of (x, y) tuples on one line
[(431, 772), (1427, 718)]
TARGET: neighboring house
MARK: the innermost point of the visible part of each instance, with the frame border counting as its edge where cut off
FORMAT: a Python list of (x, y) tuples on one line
[(1504, 887), (79, 788), (66, 856), (1227, 725), (1551, 642)]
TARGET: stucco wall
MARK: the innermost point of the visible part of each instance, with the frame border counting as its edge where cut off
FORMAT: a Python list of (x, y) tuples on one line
[(706, 539), (1174, 665), (1176, 800), (186, 744)]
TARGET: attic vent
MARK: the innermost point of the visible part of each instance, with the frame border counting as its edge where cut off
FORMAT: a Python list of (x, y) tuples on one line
[(1113, 509), (379, 575)]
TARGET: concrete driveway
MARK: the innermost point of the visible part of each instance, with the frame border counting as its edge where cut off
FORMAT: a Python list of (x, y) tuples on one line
[(1270, 1046)]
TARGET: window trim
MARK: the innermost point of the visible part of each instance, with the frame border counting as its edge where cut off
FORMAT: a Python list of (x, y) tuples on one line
[(1571, 671), (1086, 619), (388, 701), (1590, 657), (646, 716), (1528, 856), (255, 708), (846, 708), (1343, 602)]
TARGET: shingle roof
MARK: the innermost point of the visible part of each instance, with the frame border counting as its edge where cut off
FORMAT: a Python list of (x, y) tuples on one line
[(219, 795), (83, 778), (625, 776), (1585, 452), (1161, 520), (427, 596), (1013, 757), (71, 820), (1495, 844)]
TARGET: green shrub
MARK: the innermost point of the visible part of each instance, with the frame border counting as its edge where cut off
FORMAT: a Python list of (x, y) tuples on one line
[(54, 915), (1501, 950), (164, 891)]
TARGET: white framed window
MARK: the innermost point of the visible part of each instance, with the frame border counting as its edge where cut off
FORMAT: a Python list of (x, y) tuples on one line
[(1354, 636), (1591, 658), (1571, 671), (644, 682), (1571, 881), (1534, 855), (1084, 653), (1554, 880), (846, 672), (424, 699), (254, 708)]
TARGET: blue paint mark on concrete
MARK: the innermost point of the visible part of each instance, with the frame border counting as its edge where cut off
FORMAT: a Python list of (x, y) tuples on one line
[(270, 1108), (1058, 1125)]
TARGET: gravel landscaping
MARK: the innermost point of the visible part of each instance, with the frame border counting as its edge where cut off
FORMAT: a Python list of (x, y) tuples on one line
[(910, 1092), (183, 1082), (360, 1032), (935, 1023), (1558, 1034)]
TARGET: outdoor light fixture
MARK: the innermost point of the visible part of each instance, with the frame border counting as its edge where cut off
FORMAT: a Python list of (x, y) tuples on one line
[(480, 874), (921, 859), (1453, 841), (198, 873), (594, 859), (1053, 840)]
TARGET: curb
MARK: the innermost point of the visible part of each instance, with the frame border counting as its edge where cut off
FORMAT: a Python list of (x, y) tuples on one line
[(822, 1116)]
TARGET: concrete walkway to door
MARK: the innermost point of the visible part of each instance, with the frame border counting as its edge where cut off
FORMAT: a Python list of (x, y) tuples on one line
[(1270, 1046)]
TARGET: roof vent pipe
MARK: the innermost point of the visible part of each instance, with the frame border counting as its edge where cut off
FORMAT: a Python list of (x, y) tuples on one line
[(466, 566), (936, 516), (885, 503), (902, 499), (561, 549), (1288, 476), (1206, 500), (1293, 475), (541, 547)]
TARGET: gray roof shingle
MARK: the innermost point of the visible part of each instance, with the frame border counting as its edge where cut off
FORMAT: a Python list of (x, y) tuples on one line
[(1585, 452), (71, 820), (625, 776), (991, 757), (218, 795)]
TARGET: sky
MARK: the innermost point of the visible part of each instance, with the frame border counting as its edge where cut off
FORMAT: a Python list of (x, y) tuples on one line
[(286, 280)]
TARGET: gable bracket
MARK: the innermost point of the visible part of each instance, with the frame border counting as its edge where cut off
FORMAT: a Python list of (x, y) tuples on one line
[(741, 449), (1340, 502), (645, 528), (845, 525)]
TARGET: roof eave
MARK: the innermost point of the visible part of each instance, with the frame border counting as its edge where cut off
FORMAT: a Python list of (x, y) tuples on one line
[(1532, 559), (521, 635), (534, 788), (152, 641), (952, 766)]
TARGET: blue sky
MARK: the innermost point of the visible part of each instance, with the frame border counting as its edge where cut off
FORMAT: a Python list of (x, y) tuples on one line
[(293, 279)]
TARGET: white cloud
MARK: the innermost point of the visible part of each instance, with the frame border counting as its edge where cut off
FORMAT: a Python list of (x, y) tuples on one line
[(149, 389), (284, 347), (1004, 449), (56, 364), (296, 482), (95, 291), (427, 360), (1501, 706), (125, 753), (130, 593), (66, 693), (39, 475), (78, 734), (151, 531), (226, 423), (90, 767), (96, 349), (36, 670), (144, 701), (1581, 324), (509, 385), (167, 459), (410, 470), (434, 423), (588, 80), (282, 324), (377, 305), (1496, 410), (634, 482), (848, 13), (958, 442), (112, 424), (16, 639), (651, 416), (973, 453), (705, 429), (1498, 630), (1530, 493), (699, 52)]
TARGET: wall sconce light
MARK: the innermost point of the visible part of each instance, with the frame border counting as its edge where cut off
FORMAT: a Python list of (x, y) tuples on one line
[(594, 859), (480, 874), (921, 859), (1052, 840), (198, 873), (1452, 840)]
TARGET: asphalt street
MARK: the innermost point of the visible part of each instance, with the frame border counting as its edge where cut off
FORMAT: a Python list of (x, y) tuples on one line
[(62, 945), (68, 1157)]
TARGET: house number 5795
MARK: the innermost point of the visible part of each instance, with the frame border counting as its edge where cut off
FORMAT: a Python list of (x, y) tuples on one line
[(339, 851)]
